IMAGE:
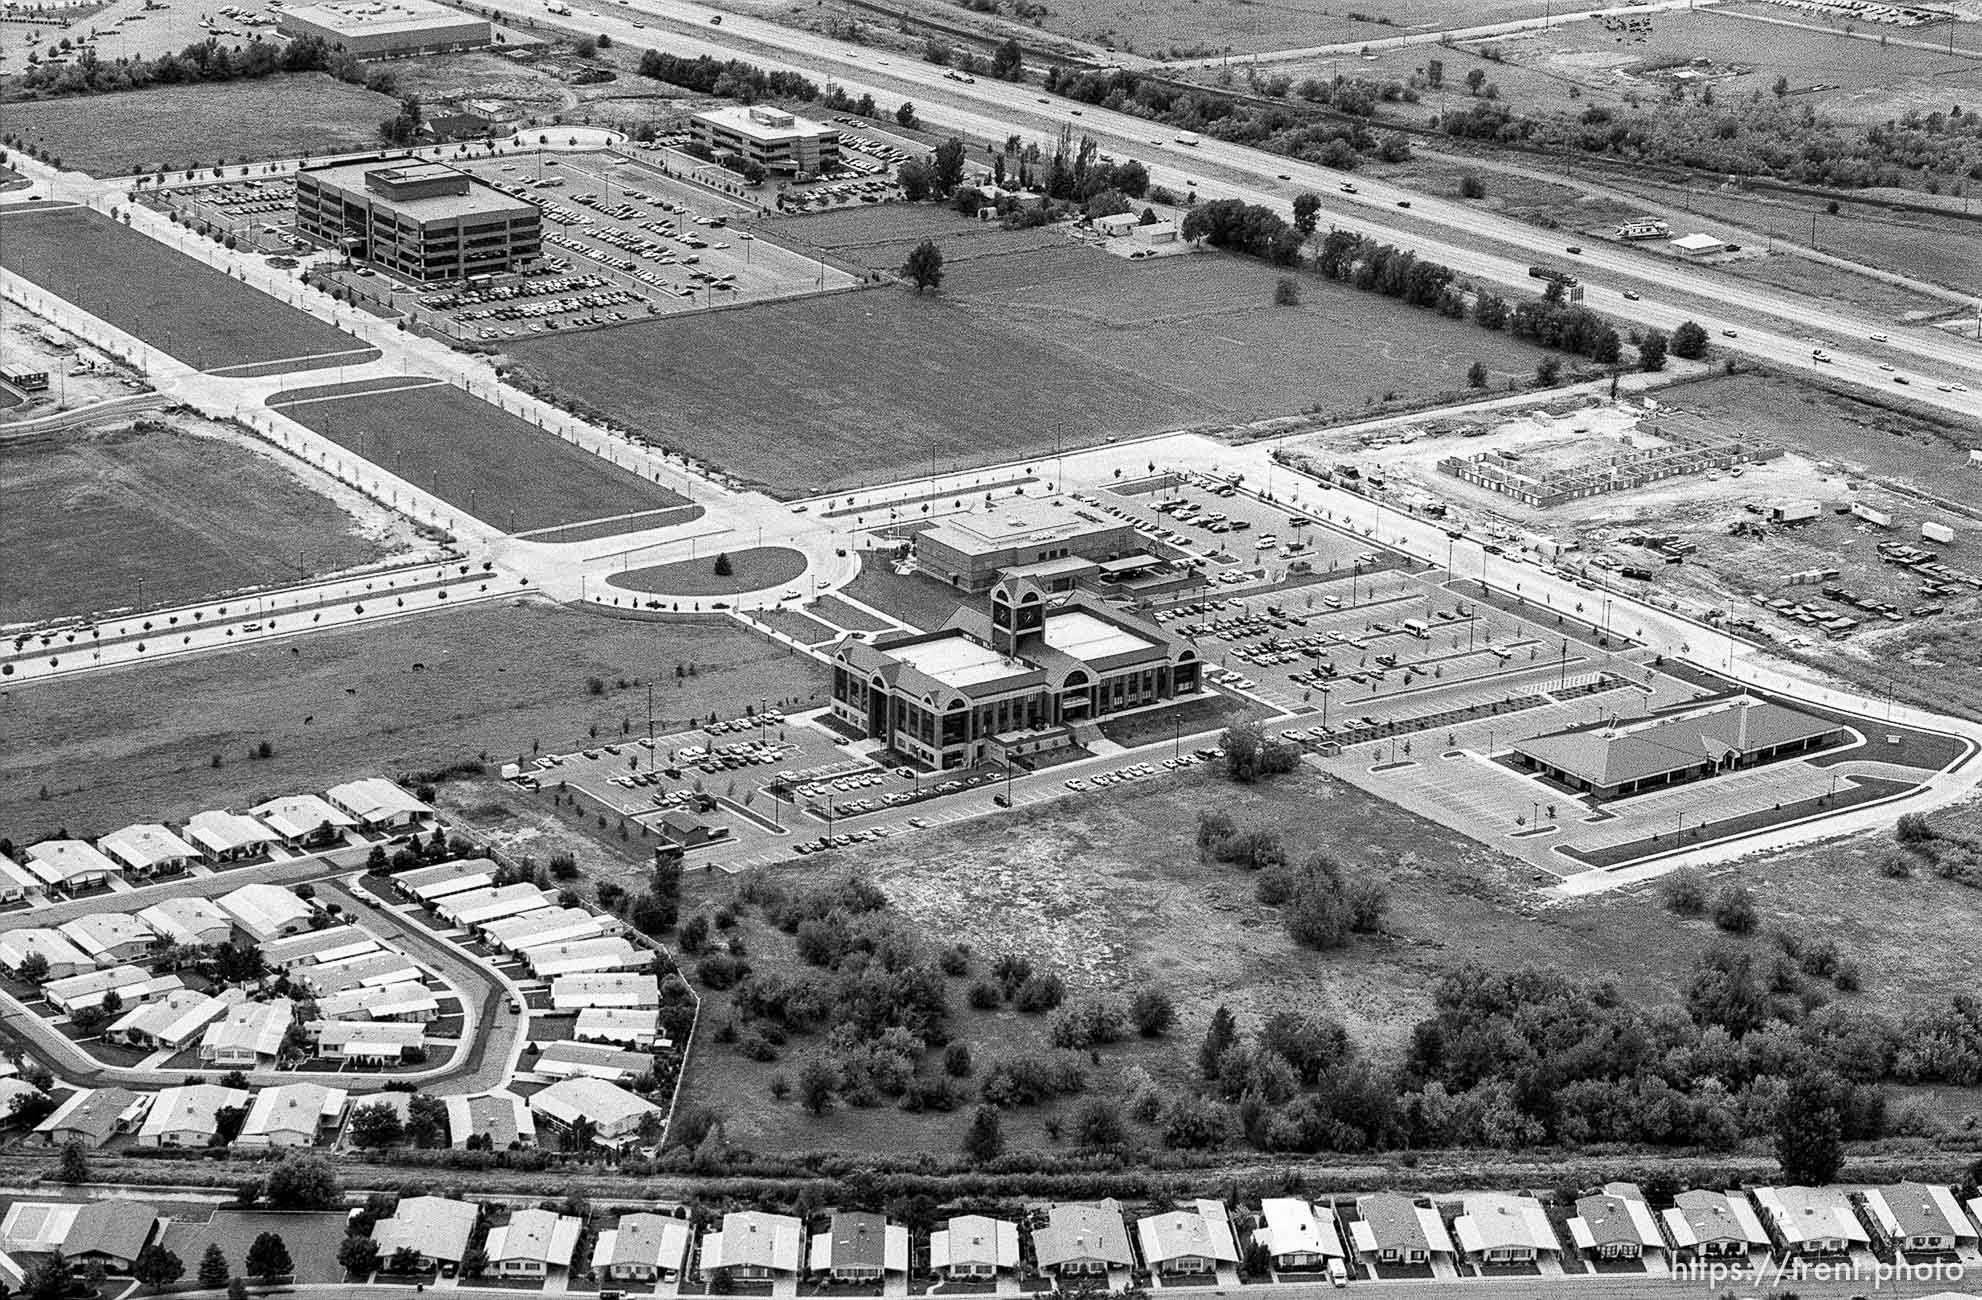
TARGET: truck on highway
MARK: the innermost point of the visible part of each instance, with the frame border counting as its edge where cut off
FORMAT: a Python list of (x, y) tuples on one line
[(1187, 137), (557, 6), (1555, 273)]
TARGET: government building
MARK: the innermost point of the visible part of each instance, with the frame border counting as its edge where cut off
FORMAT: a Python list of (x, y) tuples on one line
[(419, 221)]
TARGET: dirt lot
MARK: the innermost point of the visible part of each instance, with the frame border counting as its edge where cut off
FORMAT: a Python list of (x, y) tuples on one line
[(498, 467), (185, 506), (826, 393), (169, 302), (175, 127), (342, 704), (1109, 892)]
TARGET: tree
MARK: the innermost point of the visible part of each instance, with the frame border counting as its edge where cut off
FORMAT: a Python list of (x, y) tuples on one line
[(1809, 1136), (917, 180), (985, 1141), (358, 1256), (1733, 909), (1475, 79), (74, 1167), (1547, 371), (236, 1289), (1651, 352), (905, 115), (1218, 1037), (376, 1125), (33, 968), (1008, 60), (475, 1262), (1287, 293), (304, 1182), (946, 166), (405, 1259), (1476, 375), (47, 1279), (1307, 210), (1472, 187), (1689, 341), (724, 568), (268, 1257), (426, 1123), (1098, 1124), (214, 1269), (817, 1083), (924, 267), (404, 127), (157, 1267), (1153, 1012)]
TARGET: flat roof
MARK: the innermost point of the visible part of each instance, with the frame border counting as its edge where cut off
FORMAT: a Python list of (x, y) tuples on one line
[(1026, 521), (749, 120), (359, 17), (1082, 635), (957, 661), (481, 198)]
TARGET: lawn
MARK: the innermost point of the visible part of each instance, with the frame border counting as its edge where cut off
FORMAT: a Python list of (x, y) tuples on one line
[(311, 1236), (915, 598), (337, 705), (1014, 353), (1109, 891), (168, 301), (170, 503), (1204, 29), (750, 570), (175, 127), (498, 467)]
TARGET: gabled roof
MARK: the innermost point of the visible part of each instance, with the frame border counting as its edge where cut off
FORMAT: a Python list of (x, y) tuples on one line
[(1699, 1217), (435, 1226), (17, 945), (605, 1104), (1918, 1210), (1203, 1230), (93, 1112), (374, 798), (1079, 1231), (447, 877), (1613, 1221), (382, 1002), (331, 943), (144, 846), (219, 831), (264, 909), (184, 918), (1494, 1221), (1667, 742), (191, 1109), (257, 1027), (536, 1236), (172, 1018), (975, 1239), (113, 1229), (752, 1238), (648, 1240), (1806, 1214), (298, 815), (92, 987), (100, 932), (500, 1117), (292, 1108), (1388, 1221), (564, 1058), (1297, 1227), (856, 1240), (60, 861)]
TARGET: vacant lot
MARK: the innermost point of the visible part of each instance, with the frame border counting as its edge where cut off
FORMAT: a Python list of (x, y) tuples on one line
[(312, 1239), (1109, 891), (168, 301), (174, 504), (498, 467), (1013, 352), (497, 680), (750, 570), (177, 127)]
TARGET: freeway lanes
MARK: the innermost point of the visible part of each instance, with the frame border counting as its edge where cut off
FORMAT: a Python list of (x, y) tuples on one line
[(1773, 325)]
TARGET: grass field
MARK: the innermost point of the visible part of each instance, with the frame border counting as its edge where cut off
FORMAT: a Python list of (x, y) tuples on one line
[(312, 1239), (167, 502), (826, 393), (750, 570), (177, 127), (1109, 891), (498, 467), (342, 704), (916, 599), (168, 301)]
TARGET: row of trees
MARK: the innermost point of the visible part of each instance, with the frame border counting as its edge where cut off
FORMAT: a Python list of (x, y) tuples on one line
[(726, 78), (202, 61)]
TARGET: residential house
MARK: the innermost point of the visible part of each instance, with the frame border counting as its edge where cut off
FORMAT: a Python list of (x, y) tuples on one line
[(17, 883), (368, 970), (266, 912), (1714, 1226), (434, 1227), (1194, 1241), (606, 953), (16, 1091), (577, 992), (250, 1035), (228, 837), (171, 1022), (1298, 1234), (753, 1246), (148, 849), (291, 1115), (563, 1059), (1497, 1228), (859, 1247), (1610, 1226), (109, 938), (615, 1114), (110, 1233), (70, 866), (1919, 1218), (1811, 1221), (377, 804), (551, 925), (333, 943), (188, 1116), (188, 920), (972, 1247), (409, 1002), (476, 907), (533, 1243), (642, 1248), (64, 958), (1393, 1229), (500, 1119), (92, 988), (431, 884), (303, 821), (36, 1227), (367, 1042), (1081, 1239), (627, 1027), (93, 1116)]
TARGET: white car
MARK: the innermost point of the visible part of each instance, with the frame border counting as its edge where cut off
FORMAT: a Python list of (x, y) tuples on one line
[(1075, 783)]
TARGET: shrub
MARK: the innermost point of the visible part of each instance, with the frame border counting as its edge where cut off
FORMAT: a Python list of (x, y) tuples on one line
[(1041, 992), (986, 996), (1684, 892), (1734, 909), (1153, 1012), (720, 971), (1896, 865), (1287, 292), (723, 566)]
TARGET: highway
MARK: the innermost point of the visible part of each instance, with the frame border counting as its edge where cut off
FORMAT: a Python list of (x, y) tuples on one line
[(1769, 324)]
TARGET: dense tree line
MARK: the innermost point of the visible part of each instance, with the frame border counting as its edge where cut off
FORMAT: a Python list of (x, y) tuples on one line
[(201, 61), (728, 78)]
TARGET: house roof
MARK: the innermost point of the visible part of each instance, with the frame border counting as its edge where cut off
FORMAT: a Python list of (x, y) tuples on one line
[(374, 798), (752, 1238), (58, 862), (113, 1229), (99, 932), (435, 1226), (219, 831), (144, 846), (1388, 1221), (536, 1236), (383, 1002), (478, 906), (1204, 1230), (445, 878), (617, 1024), (353, 1037), (293, 1108), (191, 1108), (609, 988), (499, 1116), (331, 943), (1918, 1210), (184, 918), (1699, 1217), (1809, 1214), (547, 925), (606, 952), (857, 1240), (264, 909), (1499, 1222), (1608, 755), (598, 1060), (17, 945), (93, 1112), (652, 1240), (1613, 1221), (975, 1239), (1078, 1232), (257, 1027), (297, 815), (1295, 1226), (605, 1104), (172, 1018), (91, 987), (368, 969)]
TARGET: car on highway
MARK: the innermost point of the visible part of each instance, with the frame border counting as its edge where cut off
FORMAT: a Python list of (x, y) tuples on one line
[(1901, 379), (1630, 295), (1818, 354), (1729, 334), (1044, 100), (1883, 366), (1403, 203), (1283, 176), (1348, 187), (1879, 336), (1576, 248)]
